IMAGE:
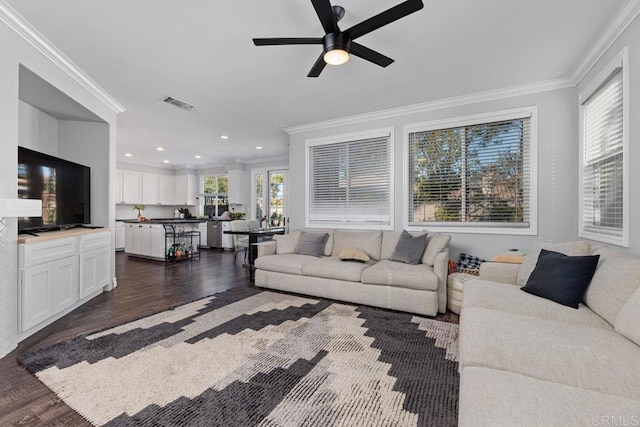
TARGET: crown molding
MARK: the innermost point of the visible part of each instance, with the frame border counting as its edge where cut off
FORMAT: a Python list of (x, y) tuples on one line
[(621, 20), (25, 30), (267, 159), (457, 101)]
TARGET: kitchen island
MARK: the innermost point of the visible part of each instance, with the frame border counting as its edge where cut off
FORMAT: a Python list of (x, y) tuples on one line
[(163, 239)]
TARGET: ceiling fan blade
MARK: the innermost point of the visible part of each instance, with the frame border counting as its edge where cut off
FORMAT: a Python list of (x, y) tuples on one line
[(384, 18), (317, 67), (327, 17), (370, 55), (286, 41)]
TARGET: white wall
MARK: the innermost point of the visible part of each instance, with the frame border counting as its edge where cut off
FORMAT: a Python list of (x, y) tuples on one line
[(630, 38), (557, 175), (37, 130), (16, 51), (87, 143)]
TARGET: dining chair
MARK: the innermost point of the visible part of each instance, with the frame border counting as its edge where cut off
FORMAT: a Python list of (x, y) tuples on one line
[(239, 242)]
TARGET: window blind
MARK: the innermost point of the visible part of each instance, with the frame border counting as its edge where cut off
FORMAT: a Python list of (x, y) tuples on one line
[(471, 176), (602, 174), (350, 182)]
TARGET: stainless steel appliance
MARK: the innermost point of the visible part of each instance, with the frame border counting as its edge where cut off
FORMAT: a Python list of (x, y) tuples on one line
[(214, 234)]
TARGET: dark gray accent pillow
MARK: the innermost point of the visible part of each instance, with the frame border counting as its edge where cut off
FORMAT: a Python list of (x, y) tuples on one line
[(561, 278), (311, 243), (409, 249)]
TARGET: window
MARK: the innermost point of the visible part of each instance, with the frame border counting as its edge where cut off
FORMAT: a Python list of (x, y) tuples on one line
[(475, 174), (215, 201), (350, 181), (603, 148), (269, 196)]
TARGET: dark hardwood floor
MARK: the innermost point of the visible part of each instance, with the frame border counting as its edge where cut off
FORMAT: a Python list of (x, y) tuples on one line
[(144, 287)]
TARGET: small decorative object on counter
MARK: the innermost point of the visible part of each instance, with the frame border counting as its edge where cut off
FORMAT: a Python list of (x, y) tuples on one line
[(139, 208), (176, 214)]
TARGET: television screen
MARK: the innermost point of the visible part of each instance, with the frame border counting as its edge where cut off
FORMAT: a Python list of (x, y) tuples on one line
[(63, 187)]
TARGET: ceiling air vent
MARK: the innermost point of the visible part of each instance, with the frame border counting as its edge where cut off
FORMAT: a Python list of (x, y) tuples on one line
[(178, 103)]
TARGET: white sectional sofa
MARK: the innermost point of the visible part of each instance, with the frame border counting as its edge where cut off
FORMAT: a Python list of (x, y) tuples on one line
[(419, 289), (525, 360)]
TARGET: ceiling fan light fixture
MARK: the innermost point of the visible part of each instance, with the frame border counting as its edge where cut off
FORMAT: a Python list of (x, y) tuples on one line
[(336, 57)]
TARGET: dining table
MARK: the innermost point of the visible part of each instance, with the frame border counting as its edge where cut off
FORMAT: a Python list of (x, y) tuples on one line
[(254, 236)]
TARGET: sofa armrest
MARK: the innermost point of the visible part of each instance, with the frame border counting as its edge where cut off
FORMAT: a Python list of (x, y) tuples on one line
[(441, 269), (499, 272), (267, 248)]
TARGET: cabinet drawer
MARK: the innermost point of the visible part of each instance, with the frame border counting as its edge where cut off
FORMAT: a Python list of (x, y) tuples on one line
[(38, 253), (94, 241)]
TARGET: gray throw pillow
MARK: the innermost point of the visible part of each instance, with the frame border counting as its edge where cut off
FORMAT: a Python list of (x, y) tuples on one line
[(409, 249), (311, 244)]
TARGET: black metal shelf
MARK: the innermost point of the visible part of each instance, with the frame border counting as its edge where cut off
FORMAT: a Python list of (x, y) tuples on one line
[(179, 239)]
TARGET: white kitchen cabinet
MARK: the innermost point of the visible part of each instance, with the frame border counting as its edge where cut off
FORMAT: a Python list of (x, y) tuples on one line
[(236, 186), (150, 188), (185, 190), (133, 239), (157, 241), (145, 240), (202, 228), (119, 184), (227, 239), (131, 187), (120, 236), (56, 274), (165, 189)]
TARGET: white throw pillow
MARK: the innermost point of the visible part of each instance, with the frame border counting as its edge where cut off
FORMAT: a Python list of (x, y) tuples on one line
[(287, 243)]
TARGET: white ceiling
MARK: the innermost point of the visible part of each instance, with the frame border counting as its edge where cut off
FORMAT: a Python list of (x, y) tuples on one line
[(200, 52)]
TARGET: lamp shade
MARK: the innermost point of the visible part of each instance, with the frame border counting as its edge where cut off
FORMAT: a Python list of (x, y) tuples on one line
[(20, 207)]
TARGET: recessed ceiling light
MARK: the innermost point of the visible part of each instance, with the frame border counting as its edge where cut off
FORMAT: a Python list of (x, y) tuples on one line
[(160, 149), (128, 155), (258, 148), (224, 136), (197, 156), (166, 161)]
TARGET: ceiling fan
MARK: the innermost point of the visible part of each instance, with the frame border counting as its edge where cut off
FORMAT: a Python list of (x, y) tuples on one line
[(337, 44)]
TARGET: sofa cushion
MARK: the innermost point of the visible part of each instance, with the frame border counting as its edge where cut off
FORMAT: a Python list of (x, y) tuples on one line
[(615, 280), (561, 278), (574, 355), (489, 397), (369, 241), (285, 263), (510, 299), (436, 243), (402, 275), (334, 268), (311, 243), (353, 254), (286, 243), (409, 249), (569, 248), (628, 321)]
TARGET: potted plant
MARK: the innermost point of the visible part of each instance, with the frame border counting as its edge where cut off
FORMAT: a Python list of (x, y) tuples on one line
[(140, 208)]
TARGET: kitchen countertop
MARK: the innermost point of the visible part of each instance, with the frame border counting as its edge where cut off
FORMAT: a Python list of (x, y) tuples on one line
[(166, 221)]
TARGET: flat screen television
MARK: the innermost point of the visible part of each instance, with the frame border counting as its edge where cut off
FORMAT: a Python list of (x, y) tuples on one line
[(63, 186)]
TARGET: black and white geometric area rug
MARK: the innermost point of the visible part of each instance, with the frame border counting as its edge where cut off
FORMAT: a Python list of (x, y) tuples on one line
[(248, 357)]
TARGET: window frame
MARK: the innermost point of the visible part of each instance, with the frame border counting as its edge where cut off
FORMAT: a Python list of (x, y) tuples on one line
[(530, 112), (621, 61), (348, 137)]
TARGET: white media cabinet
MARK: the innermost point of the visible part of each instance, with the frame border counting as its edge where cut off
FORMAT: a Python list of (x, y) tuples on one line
[(58, 272)]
